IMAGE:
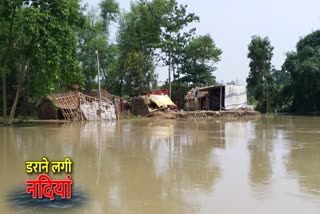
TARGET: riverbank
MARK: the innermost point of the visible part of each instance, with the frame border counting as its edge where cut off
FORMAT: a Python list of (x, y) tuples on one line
[(32, 120), (163, 115), (204, 114)]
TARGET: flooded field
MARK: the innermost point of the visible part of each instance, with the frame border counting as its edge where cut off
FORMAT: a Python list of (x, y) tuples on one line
[(267, 165)]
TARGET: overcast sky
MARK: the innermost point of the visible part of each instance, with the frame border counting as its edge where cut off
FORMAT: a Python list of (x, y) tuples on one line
[(231, 23)]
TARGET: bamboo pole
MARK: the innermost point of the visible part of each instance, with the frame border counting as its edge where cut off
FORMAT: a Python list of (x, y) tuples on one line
[(220, 96), (169, 74), (98, 67)]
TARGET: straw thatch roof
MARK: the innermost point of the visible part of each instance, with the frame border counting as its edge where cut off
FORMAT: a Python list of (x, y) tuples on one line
[(68, 100), (105, 95)]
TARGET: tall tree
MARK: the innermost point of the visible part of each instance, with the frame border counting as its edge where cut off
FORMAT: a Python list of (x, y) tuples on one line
[(138, 38), (303, 65), (280, 99), (42, 42), (9, 16), (198, 63), (109, 13), (174, 36), (140, 76), (95, 37), (90, 39), (260, 79)]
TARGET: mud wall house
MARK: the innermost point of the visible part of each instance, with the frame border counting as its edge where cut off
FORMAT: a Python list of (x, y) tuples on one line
[(139, 106), (215, 98), (46, 110)]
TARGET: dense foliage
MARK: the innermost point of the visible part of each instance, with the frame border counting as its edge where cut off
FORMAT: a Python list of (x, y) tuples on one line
[(296, 87), (260, 81), (46, 46), (303, 68), (38, 48)]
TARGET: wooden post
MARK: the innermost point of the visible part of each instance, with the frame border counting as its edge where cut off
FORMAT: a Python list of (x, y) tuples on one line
[(98, 67), (169, 74), (267, 93), (220, 96)]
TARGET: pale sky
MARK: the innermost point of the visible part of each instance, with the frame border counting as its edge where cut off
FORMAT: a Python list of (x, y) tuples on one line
[(231, 23)]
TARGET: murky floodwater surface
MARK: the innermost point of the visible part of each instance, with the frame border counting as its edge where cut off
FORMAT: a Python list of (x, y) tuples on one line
[(267, 165)]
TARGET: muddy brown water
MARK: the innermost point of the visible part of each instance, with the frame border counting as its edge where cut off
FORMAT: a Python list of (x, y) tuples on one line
[(266, 165)]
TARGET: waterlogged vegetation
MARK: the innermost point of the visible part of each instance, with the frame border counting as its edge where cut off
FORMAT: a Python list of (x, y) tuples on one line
[(46, 46)]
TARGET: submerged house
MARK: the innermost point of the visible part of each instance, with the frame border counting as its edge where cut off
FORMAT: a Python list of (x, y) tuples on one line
[(154, 101), (219, 97), (76, 106)]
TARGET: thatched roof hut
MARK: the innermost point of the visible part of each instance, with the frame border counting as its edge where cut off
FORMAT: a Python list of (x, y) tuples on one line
[(75, 106), (60, 106), (105, 95)]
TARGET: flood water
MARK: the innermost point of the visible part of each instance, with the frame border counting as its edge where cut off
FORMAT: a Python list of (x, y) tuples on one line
[(266, 165)]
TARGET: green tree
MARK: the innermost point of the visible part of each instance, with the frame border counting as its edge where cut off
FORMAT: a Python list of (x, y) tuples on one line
[(140, 76), (260, 80), (138, 38), (95, 37), (9, 17), (39, 40), (198, 64), (174, 36), (140, 28), (303, 65), (90, 39), (281, 99), (109, 13), (281, 77)]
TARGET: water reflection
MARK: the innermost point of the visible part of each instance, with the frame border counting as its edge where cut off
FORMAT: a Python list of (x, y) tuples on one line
[(260, 148), (174, 166), (296, 141), (149, 167), (303, 161), (141, 166)]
